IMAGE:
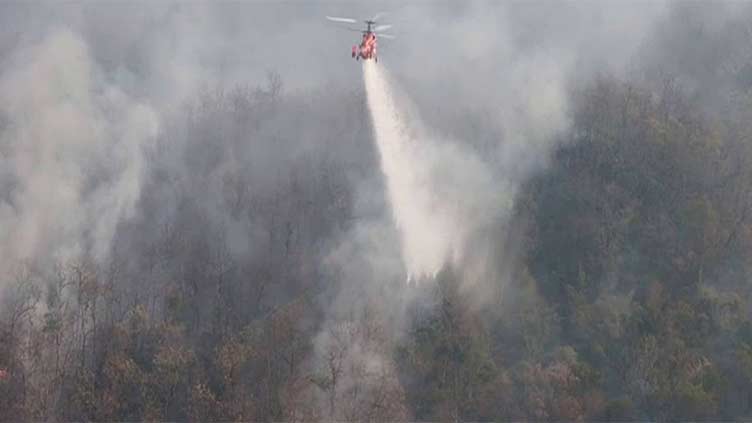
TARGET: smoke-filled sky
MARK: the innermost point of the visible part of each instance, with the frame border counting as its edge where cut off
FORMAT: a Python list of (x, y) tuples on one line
[(184, 42), (87, 87)]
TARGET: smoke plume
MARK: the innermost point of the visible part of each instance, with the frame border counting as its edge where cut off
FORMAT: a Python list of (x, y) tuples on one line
[(71, 153)]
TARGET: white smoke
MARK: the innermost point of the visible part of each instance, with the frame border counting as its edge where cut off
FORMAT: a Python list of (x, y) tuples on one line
[(440, 194), (70, 152)]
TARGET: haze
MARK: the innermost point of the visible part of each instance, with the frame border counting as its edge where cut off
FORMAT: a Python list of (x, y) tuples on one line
[(524, 211)]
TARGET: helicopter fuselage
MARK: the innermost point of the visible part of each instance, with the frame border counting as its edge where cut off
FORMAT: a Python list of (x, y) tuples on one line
[(367, 48)]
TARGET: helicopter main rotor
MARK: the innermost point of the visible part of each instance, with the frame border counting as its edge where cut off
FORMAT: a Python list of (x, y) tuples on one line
[(371, 25)]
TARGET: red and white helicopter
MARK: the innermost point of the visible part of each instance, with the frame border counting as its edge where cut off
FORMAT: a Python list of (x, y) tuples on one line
[(368, 45)]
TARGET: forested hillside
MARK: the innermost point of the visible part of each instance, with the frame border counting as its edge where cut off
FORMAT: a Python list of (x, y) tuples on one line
[(255, 276)]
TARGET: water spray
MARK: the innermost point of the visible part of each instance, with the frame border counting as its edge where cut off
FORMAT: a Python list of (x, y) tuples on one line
[(438, 192)]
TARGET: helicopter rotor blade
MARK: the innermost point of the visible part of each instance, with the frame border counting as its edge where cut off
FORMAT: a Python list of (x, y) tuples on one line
[(377, 16), (387, 36), (382, 27), (345, 20), (351, 29)]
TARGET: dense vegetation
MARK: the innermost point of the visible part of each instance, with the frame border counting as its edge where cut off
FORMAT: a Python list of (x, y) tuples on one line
[(629, 297)]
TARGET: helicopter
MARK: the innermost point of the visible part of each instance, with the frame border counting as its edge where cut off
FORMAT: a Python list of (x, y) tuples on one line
[(367, 49)]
